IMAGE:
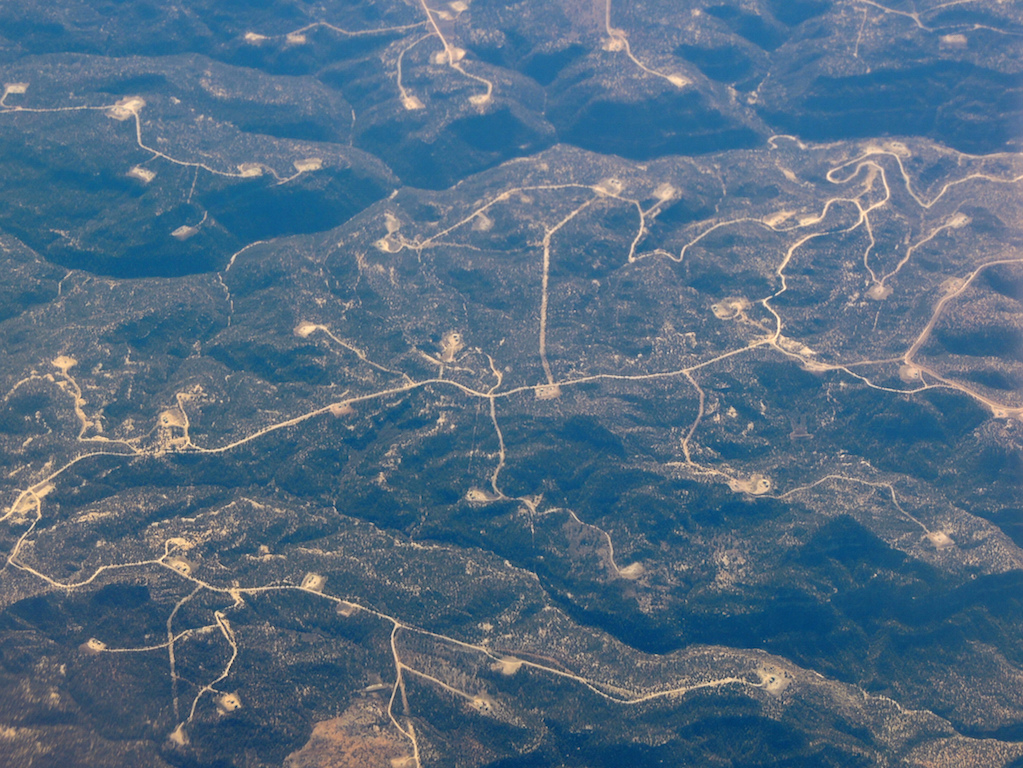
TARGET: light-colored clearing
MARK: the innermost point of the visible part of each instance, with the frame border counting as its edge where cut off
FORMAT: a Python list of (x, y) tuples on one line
[(296, 38), (483, 703), (791, 345), (909, 374), (184, 232), (228, 703), (411, 102), (507, 665), (609, 187), (452, 55), (27, 502), (181, 565), (178, 736), (897, 148), (774, 680), (172, 418), (346, 609), (730, 307), (939, 539), (450, 345), (339, 410), (309, 164), (777, 218), (878, 292), (953, 41), (142, 174), (255, 38), (64, 363), (314, 582), (816, 367), (126, 108), (15, 87), (250, 170), (666, 192), (756, 485), (477, 496), (92, 645), (547, 391), (305, 329), (632, 571), (952, 285)]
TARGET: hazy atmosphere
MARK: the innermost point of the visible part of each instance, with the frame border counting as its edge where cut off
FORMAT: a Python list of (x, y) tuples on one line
[(494, 384)]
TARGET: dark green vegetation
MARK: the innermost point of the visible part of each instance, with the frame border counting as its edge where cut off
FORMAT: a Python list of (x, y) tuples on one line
[(967, 97)]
